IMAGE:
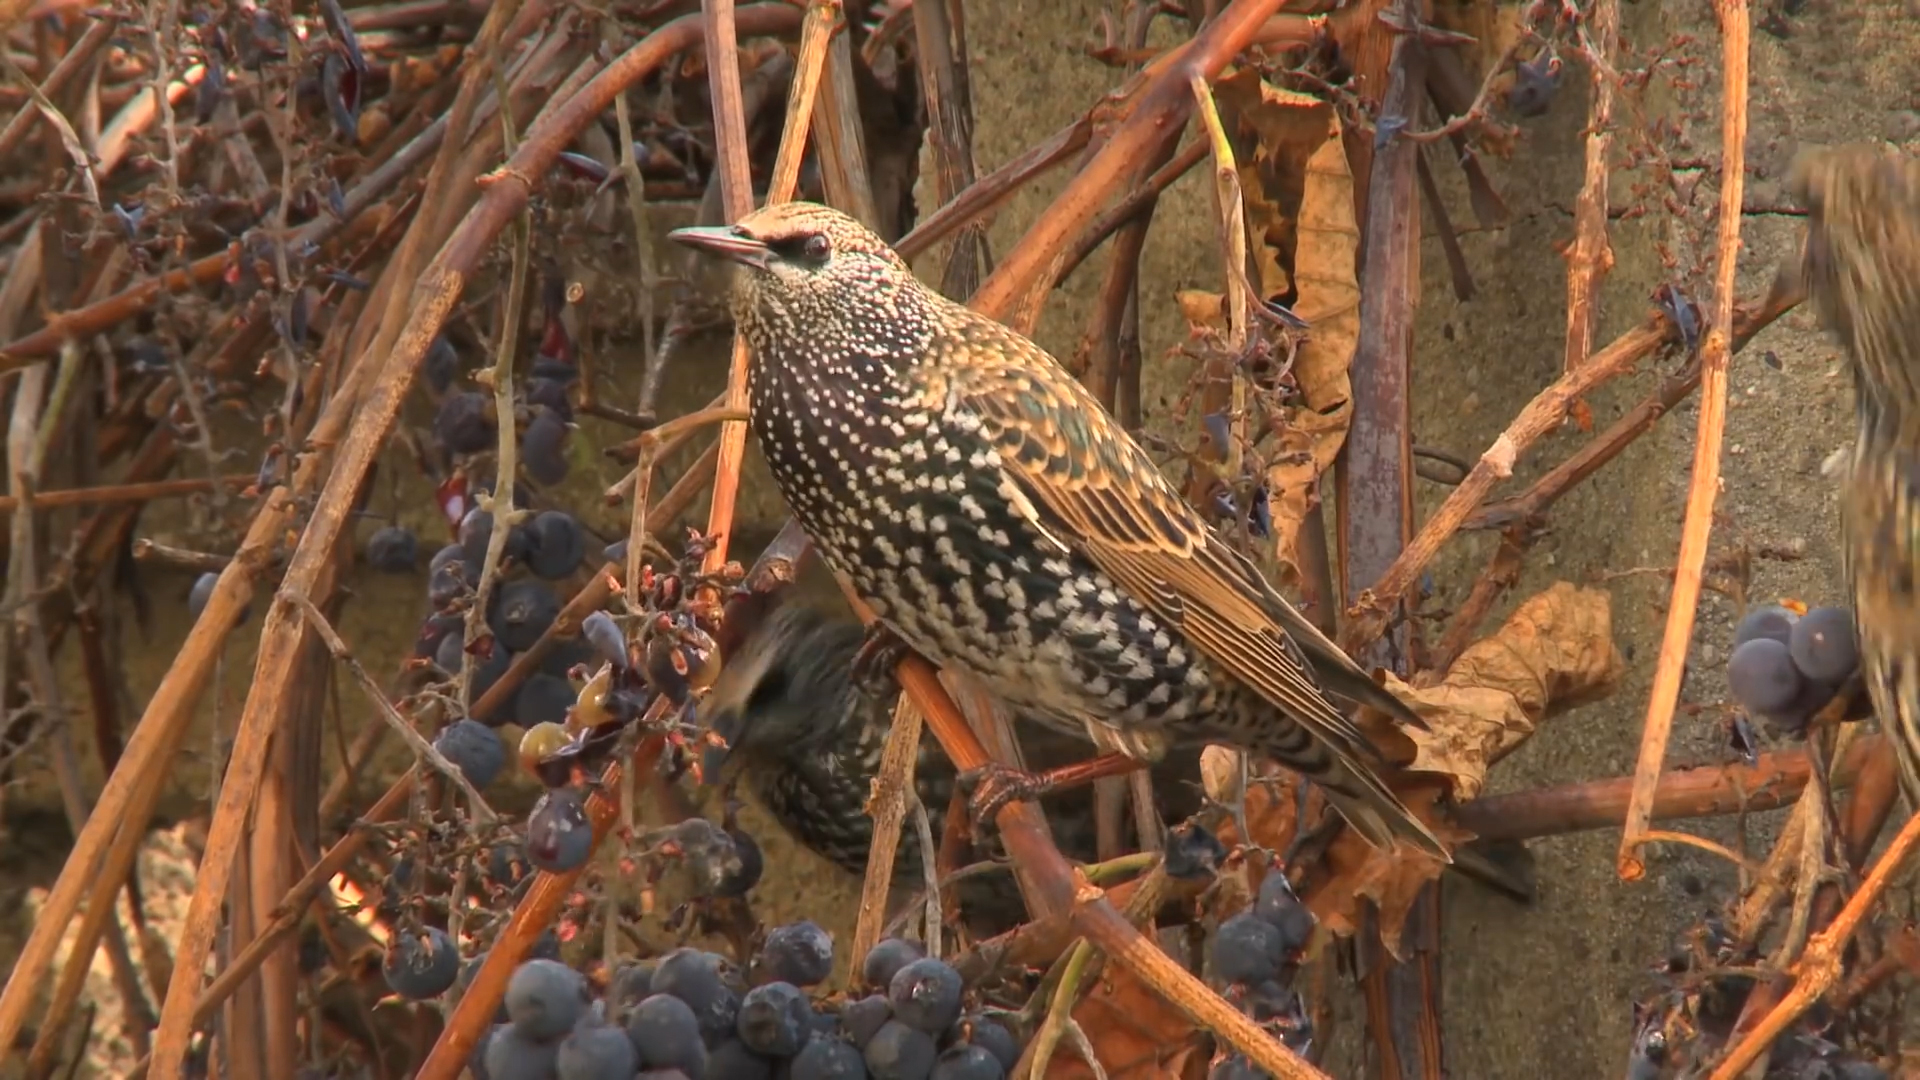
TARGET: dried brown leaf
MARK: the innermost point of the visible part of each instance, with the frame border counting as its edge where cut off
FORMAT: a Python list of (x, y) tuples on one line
[(1329, 300), (1298, 195), (1554, 652), (1359, 874), (1134, 1032)]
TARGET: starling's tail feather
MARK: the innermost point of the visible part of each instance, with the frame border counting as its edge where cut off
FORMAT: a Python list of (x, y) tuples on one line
[(1373, 810)]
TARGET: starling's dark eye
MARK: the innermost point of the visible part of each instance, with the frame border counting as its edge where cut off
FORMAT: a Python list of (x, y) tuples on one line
[(811, 249)]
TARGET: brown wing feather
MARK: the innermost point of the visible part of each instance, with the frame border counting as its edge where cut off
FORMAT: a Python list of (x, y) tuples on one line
[(1096, 489)]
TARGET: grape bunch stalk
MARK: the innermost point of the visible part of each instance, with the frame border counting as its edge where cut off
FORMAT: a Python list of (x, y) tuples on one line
[(1861, 265)]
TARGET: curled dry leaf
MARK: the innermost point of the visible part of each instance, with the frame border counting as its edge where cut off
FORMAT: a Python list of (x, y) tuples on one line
[(1554, 652), (1134, 1032)]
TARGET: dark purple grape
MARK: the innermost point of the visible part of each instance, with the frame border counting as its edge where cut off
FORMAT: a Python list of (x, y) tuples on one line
[(615, 553), (1193, 853), (1271, 1001), (731, 1060), (900, 1052), (464, 424), (558, 545), (442, 364), (739, 881), (559, 833), (1281, 909), (968, 1063), (449, 577), (667, 1034), (993, 1036), (486, 672), (799, 953), (450, 657), (1823, 645), (1762, 676), (886, 959), (523, 612), (1772, 621), (595, 1050), (202, 592), (449, 556), (474, 748), (393, 550), (631, 984), (507, 865), (477, 1061), (1247, 949), (546, 998), (926, 995), (860, 1018), (565, 655), (543, 699), (421, 965), (827, 1059), (434, 630), (600, 631), (476, 531), (543, 448), (467, 971), (775, 1019), (699, 979), (550, 394), (514, 1054)]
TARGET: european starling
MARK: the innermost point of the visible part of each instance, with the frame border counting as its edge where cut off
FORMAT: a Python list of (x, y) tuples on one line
[(805, 743), (998, 520), (1862, 270)]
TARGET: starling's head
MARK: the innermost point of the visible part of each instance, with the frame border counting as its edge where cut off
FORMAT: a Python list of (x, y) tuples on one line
[(808, 271), (1863, 233), (783, 691)]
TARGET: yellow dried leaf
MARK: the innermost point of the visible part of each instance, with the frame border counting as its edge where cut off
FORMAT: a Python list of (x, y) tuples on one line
[(1554, 652), (1329, 299)]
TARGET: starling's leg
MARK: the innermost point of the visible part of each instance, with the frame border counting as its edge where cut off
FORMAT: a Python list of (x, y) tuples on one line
[(996, 784), (881, 651)]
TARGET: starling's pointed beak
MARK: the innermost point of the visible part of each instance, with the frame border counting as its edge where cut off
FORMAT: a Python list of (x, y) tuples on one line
[(723, 241)]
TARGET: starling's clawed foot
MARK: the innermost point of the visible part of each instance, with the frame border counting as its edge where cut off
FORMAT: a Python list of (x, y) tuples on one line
[(881, 651), (994, 785)]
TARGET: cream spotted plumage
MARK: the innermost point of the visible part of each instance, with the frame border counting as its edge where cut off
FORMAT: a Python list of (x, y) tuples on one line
[(997, 519), (1862, 270)]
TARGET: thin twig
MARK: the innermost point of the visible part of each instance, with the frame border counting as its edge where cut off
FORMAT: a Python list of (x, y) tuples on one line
[(1704, 487), (1590, 256), (391, 715), (929, 868), (500, 502), (1773, 780), (1059, 1014), (887, 806), (1368, 615)]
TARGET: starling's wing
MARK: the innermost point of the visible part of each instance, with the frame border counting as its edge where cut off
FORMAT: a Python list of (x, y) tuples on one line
[(1087, 484)]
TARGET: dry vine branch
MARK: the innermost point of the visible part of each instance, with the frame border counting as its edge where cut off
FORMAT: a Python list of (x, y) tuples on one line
[(1368, 617), (1715, 352), (387, 380)]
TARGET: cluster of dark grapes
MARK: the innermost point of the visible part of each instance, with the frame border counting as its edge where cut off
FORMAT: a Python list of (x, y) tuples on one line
[(1257, 953), (466, 422), (1785, 666), (692, 1014)]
